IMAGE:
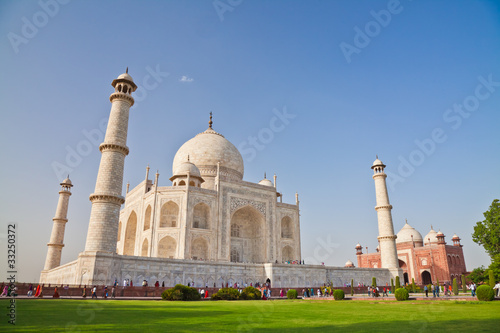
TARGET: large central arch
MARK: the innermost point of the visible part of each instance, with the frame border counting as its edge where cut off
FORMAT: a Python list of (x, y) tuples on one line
[(248, 244)]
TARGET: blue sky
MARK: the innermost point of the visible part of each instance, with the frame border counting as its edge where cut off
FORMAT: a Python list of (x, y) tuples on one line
[(398, 95)]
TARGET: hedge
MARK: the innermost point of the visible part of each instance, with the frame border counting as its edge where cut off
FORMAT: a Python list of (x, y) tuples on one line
[(228, 294), (402, 294), (181, 293), (485, 293), (251, 293), (291, 294)]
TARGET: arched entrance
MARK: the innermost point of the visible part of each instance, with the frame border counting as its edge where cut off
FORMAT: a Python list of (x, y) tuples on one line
[(426, 277), (247, 236), (129, 246), (405, 277)]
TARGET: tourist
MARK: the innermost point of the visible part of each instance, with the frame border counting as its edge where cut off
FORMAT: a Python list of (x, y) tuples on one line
[(281, 292), (56, 294), (105, 292), (157, 284), (5, 290), (369, 291), (84, 293), (113, 291), (433, 290), (30, 290), (163, 284), (426, 291), (473, 289), (38, 292), (437, 290), (202, 292), (449, 289), (206, 293), (319, 292), (125, 282), (94, 292), (497, 287)]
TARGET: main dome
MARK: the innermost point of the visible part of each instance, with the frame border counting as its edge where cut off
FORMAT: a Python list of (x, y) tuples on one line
[(404, 235), (205, 150)]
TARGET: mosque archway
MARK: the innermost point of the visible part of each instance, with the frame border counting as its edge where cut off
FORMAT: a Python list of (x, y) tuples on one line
[(287, 253), (199, 249), (426, 277), (130, 233), (169, 214), (286, 227), (250, 244), (405, 278), (201, 216), (147, 218), (167, 247), (145, 246)]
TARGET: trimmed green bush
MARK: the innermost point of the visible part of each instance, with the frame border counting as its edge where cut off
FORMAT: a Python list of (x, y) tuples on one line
[(398, 284), (413, 287), (338, 294), (485, 293), (455, 287), (227, 294), (291, 294), (251, 293), (392, 286), (352, 287), (464, 285), (402, 294), (181, 293), (492, 278), (374, 282)]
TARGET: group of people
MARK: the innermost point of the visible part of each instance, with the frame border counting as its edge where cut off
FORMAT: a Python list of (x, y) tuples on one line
[(9, 291)]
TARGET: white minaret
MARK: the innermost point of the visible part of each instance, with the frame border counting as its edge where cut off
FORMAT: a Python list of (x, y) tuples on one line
[(107, 197), (56, 242), (386, 237)]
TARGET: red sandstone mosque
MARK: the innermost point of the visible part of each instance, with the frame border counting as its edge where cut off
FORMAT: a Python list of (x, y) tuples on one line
[(426, 259)]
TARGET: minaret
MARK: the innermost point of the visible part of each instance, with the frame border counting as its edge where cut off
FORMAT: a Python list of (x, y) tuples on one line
[(107, 197), (56, 242), (386, 237)]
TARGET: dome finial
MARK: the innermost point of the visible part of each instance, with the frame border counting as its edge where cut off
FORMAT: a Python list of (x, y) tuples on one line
[(188, 158), (210, 122), (265, 175), (126, 71), (376, 157)]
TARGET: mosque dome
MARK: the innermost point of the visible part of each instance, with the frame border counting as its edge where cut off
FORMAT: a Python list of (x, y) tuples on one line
[(187, 167), (432, 236), (404, 235), (377, 163), (349, 264), (67, 181), (125, 76), (208, 148), (266, 182)]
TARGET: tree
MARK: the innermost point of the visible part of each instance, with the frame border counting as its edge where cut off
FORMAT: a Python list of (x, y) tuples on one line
[(374, 282), (478, 275), (455, 287), (487, 232), (352, 287), (398, 284), (464, 285), (491, 278), (413, 287), (392, 286)]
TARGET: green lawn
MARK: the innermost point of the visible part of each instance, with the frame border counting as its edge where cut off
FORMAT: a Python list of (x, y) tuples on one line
[(42, 315)]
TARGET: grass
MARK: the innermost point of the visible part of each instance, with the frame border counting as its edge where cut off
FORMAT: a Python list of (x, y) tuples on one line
[(48, 315)]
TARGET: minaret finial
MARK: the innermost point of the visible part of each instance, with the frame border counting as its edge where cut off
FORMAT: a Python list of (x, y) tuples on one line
[(210, 122), (376, 157), (126, 71), (406, 221), (264, 175)]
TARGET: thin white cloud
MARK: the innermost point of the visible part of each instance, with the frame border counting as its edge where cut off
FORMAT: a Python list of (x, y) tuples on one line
[(186, 79)]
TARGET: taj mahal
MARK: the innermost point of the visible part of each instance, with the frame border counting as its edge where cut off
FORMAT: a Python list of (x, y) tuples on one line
[(207, 226)]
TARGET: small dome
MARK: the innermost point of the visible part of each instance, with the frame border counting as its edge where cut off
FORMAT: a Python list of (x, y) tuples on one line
[(440, 234), (125, 76), (455, 237), (349, 264), (358, 246), (432, 236), (404, 235), (266, 182), (377, 162), (67, 181), (187, 167)]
